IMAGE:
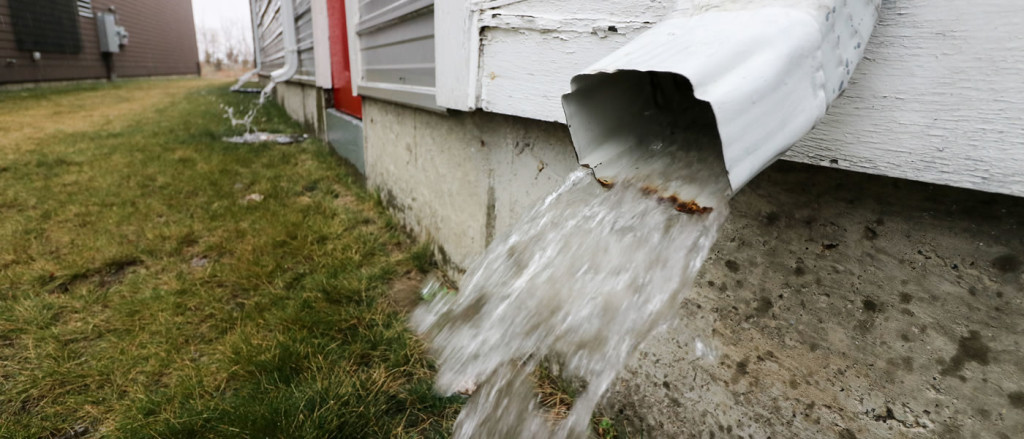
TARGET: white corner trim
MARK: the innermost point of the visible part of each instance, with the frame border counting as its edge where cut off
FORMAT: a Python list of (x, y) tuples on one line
[(354, 51), (456, 53), (321, 43)]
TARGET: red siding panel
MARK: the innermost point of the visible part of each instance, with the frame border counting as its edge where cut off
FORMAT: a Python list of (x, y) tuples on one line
[(341, 71)]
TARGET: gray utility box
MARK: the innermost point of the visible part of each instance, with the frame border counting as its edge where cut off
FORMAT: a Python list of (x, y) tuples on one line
[(112, 36)]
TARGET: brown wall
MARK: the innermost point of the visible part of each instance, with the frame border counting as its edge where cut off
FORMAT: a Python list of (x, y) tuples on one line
[(162, 41)]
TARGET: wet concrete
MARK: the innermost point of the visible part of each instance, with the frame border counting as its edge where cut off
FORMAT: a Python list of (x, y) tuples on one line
[(835, 304), (843, 305)]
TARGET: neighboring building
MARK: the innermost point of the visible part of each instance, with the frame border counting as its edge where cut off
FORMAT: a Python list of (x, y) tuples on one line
[(854, 309), (60, 40)]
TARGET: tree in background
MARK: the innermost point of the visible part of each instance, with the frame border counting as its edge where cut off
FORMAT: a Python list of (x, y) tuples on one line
[(228, 46)]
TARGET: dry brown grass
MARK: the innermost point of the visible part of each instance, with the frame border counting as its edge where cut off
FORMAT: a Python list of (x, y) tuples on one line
[(31, 116)]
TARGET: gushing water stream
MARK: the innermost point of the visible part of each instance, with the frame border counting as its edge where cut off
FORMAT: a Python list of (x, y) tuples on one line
[(252, 135), (575, 286)]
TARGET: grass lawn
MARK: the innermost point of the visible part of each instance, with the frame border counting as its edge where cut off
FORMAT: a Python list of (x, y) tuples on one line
[(141, 295)]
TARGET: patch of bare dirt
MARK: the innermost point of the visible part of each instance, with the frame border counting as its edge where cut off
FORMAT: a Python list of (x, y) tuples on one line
[(404, 292)]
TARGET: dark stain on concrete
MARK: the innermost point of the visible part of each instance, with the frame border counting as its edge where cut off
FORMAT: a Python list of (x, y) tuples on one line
[(1016, 399), (908, 363), (906, 298), (771, 218), (846, 433), (969, 349), (870, 234), (764, 305), (799, 269), (870, 305), (733, 266), (864, 326), (1008, 263), (983, 413), (742, 367), (491, 218)]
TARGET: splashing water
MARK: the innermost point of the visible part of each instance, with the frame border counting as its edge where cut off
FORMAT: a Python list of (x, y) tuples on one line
[(266, 91), (576, 286), (244, 120), (252, 135)]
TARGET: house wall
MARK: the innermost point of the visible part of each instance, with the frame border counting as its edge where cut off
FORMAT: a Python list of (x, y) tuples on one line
[(270, 38), (460, 180), (834, 304), (932, 100), (394, 55), (301, 96), (162, 42)]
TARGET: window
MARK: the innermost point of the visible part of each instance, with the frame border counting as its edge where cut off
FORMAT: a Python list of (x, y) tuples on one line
[(46, 25)]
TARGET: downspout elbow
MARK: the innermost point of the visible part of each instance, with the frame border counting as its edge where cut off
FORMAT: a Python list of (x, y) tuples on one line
[(291, 46), (762, 72)]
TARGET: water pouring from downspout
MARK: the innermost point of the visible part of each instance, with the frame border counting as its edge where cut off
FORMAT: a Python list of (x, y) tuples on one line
[(282, 74), (666, 129)]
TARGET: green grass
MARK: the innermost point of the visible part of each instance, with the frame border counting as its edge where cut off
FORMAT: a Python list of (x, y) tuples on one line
[(140, 296)]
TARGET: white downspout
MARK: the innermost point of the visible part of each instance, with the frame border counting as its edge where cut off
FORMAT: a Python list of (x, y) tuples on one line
[(291, 45), (257, 50), (763, 71)]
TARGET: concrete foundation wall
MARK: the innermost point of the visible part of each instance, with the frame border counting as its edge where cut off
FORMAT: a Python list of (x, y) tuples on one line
[(304, 103), (459, 180), (834, 304)]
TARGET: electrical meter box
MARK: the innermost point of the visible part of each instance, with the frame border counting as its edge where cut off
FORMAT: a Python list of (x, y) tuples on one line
[(112, 36)]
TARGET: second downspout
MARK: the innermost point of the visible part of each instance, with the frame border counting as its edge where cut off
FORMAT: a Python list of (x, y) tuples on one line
[(286, 14), (257, 50), (762, 72)]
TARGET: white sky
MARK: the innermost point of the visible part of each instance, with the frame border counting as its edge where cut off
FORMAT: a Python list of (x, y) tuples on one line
[(228, 18), (212, 13)]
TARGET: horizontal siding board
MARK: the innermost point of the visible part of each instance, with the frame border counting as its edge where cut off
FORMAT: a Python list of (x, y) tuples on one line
[(370, 7), (936, 97), (47, 27), (408, 31), (304, 37), (307, 63), (271, 40), (415, 52), (396, 51), (395, 12), (271, 36), (412, 75)]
